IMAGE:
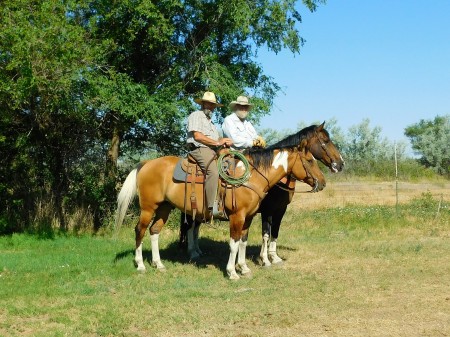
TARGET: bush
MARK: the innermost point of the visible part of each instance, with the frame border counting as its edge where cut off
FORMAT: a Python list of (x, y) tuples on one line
[(408, 170)]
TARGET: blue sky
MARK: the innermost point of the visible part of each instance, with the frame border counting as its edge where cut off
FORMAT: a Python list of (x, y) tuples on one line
[(386, 60)]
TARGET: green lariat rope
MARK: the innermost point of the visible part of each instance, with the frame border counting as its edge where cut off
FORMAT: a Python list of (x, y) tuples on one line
[(223, 168)]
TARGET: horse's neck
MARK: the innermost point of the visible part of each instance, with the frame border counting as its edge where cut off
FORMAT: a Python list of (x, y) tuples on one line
[(279, 169)]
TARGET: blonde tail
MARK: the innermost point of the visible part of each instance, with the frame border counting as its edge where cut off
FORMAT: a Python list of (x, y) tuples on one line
[(125, 197)]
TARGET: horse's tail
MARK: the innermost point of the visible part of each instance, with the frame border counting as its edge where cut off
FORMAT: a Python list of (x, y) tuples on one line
[(125, 197)]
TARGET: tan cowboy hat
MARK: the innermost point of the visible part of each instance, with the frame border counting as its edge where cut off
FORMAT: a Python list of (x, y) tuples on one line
[(208, 96), (241, 100)]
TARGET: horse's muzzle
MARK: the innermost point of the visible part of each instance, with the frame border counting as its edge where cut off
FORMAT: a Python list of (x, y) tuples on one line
[(318, 186)]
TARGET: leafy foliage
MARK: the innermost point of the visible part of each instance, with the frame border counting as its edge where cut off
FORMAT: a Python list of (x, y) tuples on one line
[(431, 139), (83, 81)]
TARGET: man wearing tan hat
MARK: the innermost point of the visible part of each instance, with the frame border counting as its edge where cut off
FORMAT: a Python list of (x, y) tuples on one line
[(239, 129), (203, 139)]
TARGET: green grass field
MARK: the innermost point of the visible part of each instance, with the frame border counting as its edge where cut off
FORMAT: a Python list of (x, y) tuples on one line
[(353, 271)]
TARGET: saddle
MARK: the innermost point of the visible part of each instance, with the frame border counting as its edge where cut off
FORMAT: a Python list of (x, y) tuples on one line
[(188, 171)]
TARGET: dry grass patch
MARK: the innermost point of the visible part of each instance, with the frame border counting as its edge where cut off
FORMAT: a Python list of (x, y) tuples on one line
[(341, 194)]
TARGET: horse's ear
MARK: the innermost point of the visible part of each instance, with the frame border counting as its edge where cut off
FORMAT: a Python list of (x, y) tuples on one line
[(321, 126)]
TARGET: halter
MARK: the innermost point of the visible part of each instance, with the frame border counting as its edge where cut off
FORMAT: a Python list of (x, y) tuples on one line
[(323, 145), (308, 173)]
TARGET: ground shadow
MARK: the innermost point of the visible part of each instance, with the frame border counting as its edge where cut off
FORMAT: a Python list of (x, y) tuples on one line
[(215, 253)]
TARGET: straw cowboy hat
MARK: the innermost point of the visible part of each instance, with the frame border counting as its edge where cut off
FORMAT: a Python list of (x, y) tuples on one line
[(241, 100), (208, 96)]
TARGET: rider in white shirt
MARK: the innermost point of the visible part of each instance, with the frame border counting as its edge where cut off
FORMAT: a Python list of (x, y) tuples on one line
[(239, 129)]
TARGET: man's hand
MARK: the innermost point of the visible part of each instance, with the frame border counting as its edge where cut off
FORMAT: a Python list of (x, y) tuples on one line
[(262, 142), (259, 142), (227, 142)]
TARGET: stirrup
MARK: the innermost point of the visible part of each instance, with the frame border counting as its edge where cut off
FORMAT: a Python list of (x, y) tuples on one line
[(218, 214)]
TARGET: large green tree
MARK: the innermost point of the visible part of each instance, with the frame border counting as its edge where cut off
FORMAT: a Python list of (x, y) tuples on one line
[(179, 48), (430, 139), (42, 54), (80, 78)]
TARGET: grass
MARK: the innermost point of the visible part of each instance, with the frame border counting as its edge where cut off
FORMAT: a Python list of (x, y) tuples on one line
[(348, 271)]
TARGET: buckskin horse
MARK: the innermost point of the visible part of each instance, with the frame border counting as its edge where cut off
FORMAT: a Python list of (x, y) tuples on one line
[(158, 194), (274, 205)]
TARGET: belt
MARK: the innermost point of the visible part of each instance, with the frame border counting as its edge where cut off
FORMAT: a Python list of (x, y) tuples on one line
[(191, 146)]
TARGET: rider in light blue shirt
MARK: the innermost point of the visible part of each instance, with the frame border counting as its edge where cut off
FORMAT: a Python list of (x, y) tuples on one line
[(239, 129)]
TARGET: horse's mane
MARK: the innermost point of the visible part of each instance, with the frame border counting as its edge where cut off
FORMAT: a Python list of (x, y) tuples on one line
[(264, 157), (297, 138)]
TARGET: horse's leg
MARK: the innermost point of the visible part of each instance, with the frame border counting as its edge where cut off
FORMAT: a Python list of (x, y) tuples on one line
[(275, 228), (196, 236), (236, 224), (245, 270), (161, 215), (231, 268), (140, 229), (192, 251), (184, 226), (265, 224)]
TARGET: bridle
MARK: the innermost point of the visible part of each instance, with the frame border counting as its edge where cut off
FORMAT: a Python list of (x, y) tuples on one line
[(333, 165), (323, 146), (308, 174)]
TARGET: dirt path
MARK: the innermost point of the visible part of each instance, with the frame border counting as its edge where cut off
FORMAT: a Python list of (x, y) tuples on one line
[(375, 193)]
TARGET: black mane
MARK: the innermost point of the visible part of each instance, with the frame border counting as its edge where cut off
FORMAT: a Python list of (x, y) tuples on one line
[(295, 139), (264, 157)]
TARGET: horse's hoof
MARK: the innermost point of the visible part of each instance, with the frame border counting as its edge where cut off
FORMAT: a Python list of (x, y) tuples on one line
[(233, 276), (194, 256), (277, 262), (264, 264), (159, 266), (140, 269), (247, 274), (161, 270), (276, 259), (244, 270)]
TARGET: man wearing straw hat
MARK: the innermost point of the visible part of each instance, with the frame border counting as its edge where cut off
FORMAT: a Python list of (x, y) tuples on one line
[(203, 140), (239, 129)]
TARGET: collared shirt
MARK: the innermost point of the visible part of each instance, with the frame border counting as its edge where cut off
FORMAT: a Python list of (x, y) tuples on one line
[(197, 121), (242, 133)]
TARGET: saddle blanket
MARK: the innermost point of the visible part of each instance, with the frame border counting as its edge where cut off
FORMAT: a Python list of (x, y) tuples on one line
[(179, 174)]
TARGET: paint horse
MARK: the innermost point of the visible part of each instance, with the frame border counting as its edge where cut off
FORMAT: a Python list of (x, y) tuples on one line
[(274, 205), (158, 194)]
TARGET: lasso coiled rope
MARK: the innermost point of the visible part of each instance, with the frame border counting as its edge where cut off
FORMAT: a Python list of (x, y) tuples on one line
[(224, 175)]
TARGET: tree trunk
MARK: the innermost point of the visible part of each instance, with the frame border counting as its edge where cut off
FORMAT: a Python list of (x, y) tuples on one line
[(113, 155), (110, 180)]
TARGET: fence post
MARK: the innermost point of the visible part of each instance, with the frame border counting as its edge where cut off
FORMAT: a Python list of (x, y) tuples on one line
[(396, 178)]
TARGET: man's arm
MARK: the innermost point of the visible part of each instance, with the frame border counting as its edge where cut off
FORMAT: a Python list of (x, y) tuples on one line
[(201, 138)]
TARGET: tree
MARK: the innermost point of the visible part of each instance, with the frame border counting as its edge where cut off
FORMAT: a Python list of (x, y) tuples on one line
[(430, 139), (81, 78), (42, 53), (179, 48), (170, 51), (364, 143)]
